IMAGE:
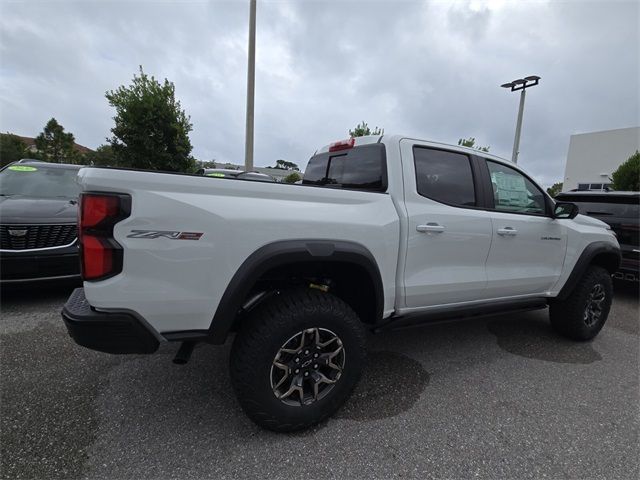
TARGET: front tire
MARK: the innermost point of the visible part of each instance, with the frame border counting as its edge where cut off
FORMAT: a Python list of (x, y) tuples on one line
[(296, 359), (584, 312)]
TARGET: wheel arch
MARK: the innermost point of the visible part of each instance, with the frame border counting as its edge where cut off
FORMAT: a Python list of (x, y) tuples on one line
[(603, 254), (296, 254)]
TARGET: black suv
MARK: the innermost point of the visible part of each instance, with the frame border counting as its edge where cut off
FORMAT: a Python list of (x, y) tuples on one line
[(621, 211), (38, 217)]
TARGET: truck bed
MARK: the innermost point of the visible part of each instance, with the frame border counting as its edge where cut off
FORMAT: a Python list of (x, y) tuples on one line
[(168, 278)]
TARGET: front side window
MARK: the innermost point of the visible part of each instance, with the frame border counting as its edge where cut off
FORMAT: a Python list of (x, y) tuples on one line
[(444, 176), (513, 192)]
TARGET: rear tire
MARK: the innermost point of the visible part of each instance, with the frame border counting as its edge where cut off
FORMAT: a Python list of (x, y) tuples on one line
[(296, 359), (584, 312)]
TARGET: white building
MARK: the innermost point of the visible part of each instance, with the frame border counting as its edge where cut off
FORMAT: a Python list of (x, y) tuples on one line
[(594, 156)]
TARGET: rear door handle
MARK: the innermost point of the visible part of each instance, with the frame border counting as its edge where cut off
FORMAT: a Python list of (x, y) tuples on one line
[(430, 227), (507, 231)]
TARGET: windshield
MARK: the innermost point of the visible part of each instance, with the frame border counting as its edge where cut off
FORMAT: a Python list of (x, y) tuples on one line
[(39, 181)]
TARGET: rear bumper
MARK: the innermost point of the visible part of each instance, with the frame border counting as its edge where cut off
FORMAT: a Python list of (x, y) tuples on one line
[(18, 267), (110, 332)]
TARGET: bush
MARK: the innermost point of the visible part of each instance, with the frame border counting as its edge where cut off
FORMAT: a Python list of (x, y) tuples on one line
[(292, 178)]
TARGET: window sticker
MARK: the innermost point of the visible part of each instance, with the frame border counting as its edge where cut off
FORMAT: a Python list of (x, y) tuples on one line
[(510, 190), (22, 168)]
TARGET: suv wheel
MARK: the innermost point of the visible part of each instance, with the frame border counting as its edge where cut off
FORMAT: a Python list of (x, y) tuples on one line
[(583, 314), (296, 359)]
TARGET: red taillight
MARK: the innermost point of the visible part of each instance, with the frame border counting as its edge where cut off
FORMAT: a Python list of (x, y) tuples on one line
[(97, 258), (342, 145), (96, 208), (100, 254)]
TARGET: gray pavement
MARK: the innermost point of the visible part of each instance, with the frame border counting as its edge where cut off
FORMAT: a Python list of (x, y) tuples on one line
[(502, 397)]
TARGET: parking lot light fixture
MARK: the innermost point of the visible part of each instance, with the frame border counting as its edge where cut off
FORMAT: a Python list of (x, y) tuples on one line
[(520, 84)]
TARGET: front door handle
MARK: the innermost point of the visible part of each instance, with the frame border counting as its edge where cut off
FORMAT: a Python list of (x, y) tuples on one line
[(430, 227), (507, 231)]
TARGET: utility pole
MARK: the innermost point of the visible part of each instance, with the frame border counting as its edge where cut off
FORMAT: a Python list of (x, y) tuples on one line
[(251, 77), (520, 84)]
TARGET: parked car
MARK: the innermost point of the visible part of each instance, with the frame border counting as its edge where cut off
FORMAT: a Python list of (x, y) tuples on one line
[(237, 174), (621, 211), (385, 231), (38, 218)]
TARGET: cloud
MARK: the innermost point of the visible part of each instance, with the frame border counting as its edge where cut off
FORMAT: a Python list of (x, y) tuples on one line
[(427, 69)]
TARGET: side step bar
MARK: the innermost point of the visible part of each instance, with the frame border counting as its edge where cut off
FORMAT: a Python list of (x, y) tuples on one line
[(449, 314)]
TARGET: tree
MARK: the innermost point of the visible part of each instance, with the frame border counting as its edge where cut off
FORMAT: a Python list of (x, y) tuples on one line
[(555, 189), (292, 178), (285, 165), (627, 176), (55, 144), (12, 148), (362, 129), (102, 157), (471, 143), (151, 129)]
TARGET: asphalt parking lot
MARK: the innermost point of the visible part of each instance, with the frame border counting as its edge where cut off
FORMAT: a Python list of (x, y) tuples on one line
[(502, 397)]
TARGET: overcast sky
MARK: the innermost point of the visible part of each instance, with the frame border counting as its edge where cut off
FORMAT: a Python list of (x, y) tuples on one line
[(426, 69)]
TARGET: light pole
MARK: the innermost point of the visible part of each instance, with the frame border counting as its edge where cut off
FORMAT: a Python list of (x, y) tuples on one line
[(251, 76), (520, 84)]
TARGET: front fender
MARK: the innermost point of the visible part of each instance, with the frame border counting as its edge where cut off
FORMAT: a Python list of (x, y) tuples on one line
[(603, 254)]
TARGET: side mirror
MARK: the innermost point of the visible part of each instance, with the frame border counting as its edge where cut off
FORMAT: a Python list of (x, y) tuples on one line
[(565, 210)]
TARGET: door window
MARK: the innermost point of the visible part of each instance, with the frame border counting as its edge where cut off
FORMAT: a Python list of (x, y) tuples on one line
[(444, 176), (513, 192)]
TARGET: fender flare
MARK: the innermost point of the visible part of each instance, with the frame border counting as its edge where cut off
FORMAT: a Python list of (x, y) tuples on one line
[(283, 253), (610, 252)]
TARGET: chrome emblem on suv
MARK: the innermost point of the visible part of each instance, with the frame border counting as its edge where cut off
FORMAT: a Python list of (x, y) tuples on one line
[(18, 233)]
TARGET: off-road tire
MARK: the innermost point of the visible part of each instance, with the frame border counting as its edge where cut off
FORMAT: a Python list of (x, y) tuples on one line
[(261, 336), (569, 316)]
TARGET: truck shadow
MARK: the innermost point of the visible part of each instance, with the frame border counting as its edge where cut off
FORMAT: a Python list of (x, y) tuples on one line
[(391, 384), (534, 338)]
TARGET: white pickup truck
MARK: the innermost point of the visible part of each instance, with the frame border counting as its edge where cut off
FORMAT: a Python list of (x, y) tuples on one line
[(383, 232)]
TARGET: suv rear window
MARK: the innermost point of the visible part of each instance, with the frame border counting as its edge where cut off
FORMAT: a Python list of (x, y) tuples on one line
[(600, 205), (359, 168)]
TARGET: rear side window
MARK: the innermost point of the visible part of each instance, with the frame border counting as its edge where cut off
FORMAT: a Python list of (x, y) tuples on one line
[(359, 168), (444, 176)]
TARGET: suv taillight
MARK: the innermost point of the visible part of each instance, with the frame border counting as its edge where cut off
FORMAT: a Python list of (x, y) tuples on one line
[(100, 254)]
